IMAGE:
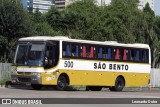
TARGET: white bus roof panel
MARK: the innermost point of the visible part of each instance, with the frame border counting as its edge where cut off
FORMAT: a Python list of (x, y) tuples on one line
[(64, 38)]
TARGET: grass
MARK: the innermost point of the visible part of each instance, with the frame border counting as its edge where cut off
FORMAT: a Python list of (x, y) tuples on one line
[(5, 79)]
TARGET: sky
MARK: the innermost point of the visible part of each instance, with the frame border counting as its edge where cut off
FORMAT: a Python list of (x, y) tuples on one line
[(24, 2), (157, 7)]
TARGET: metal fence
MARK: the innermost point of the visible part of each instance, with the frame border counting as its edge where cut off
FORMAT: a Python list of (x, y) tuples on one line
[(5, 72), (155, 77)]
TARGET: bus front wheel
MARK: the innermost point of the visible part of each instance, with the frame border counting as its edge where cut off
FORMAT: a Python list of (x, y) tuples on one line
[(119, 85), (61, 83)]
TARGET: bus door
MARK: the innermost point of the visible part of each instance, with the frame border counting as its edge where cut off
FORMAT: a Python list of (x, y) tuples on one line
[(51, 54)]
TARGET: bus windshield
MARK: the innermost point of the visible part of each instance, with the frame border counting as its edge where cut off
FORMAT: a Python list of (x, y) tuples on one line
[(30, 54)]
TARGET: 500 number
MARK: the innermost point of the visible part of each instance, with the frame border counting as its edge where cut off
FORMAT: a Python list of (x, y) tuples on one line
[(68, 64)]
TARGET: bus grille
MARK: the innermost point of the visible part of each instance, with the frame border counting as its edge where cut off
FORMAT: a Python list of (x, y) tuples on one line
[(27, 73), (24, 73), (22, 79), (20, 73)]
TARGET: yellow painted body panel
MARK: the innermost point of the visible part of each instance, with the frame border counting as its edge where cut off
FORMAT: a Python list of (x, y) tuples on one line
[(93, 78), (97, 78), (51, 81)]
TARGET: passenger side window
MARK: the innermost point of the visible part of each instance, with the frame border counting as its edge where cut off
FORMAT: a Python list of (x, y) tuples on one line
[(100, 52), (91, 51), (144, 55), (137, 57), (109, 54), (117, 53), (74, 50), (83, 51), (66, 50), (125, 54), (132, 54)]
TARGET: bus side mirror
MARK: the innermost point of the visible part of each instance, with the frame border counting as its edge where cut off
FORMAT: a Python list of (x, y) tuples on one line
[(46, 61)]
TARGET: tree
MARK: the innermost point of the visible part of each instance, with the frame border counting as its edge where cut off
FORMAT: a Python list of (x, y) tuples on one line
[(155, 43), (14, 23), (14, 20), (150, 34), (41, 26), (87, 24), (44, 29), (156, 55), (53, 17), (120, 20), (3, 44), (37, 16)]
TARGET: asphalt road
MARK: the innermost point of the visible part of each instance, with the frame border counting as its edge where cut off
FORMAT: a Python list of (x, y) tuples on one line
[(25, 92), (50, 93)]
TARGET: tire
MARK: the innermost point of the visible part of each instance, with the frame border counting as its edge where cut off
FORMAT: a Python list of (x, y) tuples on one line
[(94, 88), (62, 83), (36, 86), (119, 85)]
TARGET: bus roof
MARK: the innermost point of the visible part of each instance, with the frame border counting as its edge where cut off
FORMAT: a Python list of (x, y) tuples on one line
[(64, 38)]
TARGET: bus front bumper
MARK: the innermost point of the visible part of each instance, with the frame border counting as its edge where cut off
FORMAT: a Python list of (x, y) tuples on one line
[(21, 79)]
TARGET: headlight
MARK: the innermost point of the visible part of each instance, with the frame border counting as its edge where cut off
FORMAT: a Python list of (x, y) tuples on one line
[(13, 69), (14, 73)]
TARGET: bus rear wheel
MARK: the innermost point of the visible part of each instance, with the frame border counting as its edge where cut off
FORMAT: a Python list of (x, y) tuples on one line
[(94, 88), (119, 85), (36, 86), (62, 83)]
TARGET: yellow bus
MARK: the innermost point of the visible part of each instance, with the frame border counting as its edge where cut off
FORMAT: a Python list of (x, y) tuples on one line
[(60, 61)]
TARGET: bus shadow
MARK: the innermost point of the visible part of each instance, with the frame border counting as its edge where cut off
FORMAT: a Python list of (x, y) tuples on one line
[(44, 88), (70, 88)]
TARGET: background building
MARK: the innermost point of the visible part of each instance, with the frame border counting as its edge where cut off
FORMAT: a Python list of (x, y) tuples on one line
[(60, 4), (42, 5), (103, 2), (141, 4)]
